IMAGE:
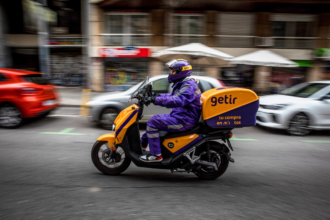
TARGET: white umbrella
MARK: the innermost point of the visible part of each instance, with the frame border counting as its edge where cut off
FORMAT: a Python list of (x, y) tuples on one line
[(201, 54), (263, 58)]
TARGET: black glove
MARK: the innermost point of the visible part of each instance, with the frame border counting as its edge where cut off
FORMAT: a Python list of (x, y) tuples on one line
[(148, 100)]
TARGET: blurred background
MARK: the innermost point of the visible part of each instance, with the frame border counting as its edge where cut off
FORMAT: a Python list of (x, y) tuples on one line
[(67, 39), (92, 53)]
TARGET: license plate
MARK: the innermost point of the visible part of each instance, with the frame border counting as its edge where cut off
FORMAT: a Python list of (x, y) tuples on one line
[(49, 102)]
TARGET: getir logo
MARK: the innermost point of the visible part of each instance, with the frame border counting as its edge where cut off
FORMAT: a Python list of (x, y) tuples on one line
[(223, 100)]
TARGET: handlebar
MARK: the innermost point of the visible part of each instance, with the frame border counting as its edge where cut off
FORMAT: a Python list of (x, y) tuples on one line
[(141, 96)]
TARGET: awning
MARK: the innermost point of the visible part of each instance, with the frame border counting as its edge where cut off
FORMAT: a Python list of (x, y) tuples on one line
[(264, 58), (200, 53)]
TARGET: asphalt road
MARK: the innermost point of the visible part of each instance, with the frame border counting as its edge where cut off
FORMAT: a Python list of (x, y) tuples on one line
[(51, 176)]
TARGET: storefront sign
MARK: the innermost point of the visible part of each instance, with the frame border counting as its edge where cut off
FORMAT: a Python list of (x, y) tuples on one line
[(125, 52)]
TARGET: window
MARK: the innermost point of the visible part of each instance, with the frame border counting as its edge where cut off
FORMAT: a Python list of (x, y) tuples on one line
[(293, 31), (160, 86), (127, 29), (37, 79), (187, 28), (241, 25), (204, 85), (304, 91), (2, 78)]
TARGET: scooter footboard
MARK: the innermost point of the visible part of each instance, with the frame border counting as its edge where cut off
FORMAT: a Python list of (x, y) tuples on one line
[(110, 138)]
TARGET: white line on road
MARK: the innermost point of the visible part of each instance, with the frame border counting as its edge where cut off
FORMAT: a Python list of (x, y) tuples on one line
[(319, 149)]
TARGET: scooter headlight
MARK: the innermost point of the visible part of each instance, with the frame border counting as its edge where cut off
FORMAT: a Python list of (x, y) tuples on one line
[(113, 127)]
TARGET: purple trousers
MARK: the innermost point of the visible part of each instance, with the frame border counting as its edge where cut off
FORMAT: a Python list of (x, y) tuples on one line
[(161, 123)]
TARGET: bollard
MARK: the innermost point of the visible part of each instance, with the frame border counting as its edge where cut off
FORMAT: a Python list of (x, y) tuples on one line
[(85, 97)]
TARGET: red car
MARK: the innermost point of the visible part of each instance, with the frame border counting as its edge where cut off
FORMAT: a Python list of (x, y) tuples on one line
[(24, 94)]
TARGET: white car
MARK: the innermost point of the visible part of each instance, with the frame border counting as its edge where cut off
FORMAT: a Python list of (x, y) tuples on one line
[(105, 108), (299, 109)]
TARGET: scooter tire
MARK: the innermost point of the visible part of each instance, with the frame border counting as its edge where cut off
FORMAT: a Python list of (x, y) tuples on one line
[(104, 169), (221, 169)]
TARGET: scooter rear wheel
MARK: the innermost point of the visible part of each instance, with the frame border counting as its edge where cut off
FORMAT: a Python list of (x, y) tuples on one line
[(107, 161), (220, 159)]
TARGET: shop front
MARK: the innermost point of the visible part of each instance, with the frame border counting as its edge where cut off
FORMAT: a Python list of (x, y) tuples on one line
[(124, 67), (282, 78), (67, 62), (238, 76)]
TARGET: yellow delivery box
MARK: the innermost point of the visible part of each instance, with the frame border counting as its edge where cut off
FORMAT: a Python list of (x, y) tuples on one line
[(229, 107)]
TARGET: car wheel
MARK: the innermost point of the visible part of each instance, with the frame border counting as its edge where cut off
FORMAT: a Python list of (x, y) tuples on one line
[(108, 117), (10, 116), (299, 125)]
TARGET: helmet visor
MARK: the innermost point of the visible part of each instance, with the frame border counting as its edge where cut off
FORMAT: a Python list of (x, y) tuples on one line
[(169, 64)]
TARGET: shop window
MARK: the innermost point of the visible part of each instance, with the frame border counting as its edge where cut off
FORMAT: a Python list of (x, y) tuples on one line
[(160, 86), (186, 28), (123, 73), (127, 29), (238, 76)]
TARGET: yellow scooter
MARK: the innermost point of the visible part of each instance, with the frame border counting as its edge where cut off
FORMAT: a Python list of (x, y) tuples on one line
[(203, 150)]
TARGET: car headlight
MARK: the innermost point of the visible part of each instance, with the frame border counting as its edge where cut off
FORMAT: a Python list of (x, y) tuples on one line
[(274, 107), (113, 127)]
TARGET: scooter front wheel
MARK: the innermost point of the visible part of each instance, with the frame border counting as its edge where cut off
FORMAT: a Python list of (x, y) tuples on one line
[(108, 161)]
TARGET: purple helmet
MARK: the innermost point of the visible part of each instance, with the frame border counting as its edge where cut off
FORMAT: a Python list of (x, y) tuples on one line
[(182, 68)]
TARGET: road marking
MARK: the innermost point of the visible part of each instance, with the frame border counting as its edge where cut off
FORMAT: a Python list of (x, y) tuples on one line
[(65, 132), (234, 138), (315, 141), (319, 149)]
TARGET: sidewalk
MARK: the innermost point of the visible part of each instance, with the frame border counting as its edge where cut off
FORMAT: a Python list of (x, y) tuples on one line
[(71, 96)]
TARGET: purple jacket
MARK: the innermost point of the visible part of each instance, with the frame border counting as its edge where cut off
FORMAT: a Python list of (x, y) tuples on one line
[(185, 101)]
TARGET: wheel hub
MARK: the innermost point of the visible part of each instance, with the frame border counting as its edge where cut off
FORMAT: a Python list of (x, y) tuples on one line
[(214, 157), (107, 156), (299, 125)]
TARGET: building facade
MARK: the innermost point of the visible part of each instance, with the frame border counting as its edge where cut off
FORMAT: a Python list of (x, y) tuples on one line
[(123, 35), (46, 36)]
